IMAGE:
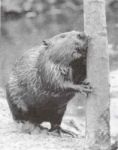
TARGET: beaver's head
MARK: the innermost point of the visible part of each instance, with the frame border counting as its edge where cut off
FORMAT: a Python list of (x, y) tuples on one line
[(67, 47)]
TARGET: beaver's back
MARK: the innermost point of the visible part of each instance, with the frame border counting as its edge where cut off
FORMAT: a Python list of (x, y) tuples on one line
[(22, 85)]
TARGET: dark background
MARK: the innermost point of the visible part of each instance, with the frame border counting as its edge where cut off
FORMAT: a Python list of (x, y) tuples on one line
[(24, 23)]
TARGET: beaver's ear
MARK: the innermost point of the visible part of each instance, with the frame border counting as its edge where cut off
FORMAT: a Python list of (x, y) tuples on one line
[(46, 43)]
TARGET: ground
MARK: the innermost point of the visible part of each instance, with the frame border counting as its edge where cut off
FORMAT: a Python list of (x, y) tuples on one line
[(15, 136)]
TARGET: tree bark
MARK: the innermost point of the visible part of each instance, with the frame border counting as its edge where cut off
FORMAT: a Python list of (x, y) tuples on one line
[(98, 102)]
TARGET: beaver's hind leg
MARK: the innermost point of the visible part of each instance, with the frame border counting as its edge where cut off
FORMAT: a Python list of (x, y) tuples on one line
[(56, 124)]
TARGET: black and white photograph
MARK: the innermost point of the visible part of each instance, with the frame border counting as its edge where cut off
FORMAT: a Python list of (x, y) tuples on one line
[(59, 75)]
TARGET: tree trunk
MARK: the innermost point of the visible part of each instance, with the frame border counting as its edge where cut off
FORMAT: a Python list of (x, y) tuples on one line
[(98, 102)]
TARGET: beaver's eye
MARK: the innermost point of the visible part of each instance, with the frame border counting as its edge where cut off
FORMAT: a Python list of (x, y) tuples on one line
[(81, 36), (78, 36)]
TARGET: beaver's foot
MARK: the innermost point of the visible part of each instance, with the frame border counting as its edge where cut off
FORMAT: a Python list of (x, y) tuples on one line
[(58, 131)]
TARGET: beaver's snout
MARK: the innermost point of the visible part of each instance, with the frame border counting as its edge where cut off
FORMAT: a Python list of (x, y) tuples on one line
[(82, 49)]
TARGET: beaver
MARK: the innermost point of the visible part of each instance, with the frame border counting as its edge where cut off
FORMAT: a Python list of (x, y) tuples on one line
[(45, 78)]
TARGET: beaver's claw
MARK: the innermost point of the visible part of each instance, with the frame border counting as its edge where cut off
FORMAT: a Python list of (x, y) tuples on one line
[(85, 88), (85, 82), (59, 131)]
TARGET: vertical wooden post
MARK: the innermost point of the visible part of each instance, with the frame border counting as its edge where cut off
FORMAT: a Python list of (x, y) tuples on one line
[(98, 103)]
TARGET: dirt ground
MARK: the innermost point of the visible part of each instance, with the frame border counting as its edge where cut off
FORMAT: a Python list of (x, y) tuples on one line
[(17, 137), (27, 137)]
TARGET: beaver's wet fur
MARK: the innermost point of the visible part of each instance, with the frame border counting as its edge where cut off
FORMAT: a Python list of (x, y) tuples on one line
[(45, 78)]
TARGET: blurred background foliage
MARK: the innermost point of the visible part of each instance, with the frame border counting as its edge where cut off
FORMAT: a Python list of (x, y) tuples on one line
[(25, 23)]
